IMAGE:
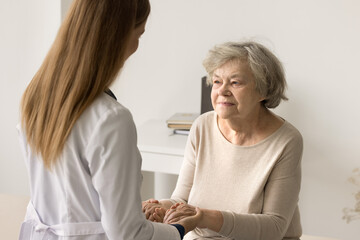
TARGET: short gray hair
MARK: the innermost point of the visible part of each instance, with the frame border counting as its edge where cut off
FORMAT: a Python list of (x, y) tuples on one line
[(269, 74)]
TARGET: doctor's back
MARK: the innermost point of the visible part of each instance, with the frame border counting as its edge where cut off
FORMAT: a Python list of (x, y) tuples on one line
[(78, 142)]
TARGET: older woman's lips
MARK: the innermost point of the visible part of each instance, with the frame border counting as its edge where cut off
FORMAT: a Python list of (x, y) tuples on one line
[(226, 104)]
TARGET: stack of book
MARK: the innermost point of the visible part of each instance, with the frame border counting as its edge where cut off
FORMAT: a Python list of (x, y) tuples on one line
[(181, 122)]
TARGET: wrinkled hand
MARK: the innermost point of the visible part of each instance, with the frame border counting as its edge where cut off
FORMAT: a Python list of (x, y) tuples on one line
[(158, 215), (179, 211), (153, 210), (184, 214)]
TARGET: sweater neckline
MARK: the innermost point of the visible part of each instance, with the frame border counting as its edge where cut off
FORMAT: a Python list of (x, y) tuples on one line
[(268, 138)]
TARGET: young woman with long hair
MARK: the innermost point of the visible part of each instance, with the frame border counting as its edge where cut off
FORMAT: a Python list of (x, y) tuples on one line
[(79, 143)]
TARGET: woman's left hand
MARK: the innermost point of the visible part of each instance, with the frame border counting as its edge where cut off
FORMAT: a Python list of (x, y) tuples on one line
[(179, 211)]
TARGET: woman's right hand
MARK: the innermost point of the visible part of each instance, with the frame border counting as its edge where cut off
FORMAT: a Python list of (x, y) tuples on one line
[(190, 223)]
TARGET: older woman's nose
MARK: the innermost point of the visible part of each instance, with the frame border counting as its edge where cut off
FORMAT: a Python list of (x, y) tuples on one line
[(224, 90)]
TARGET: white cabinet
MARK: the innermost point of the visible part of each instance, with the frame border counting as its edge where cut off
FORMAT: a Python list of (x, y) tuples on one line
[(162, 153)]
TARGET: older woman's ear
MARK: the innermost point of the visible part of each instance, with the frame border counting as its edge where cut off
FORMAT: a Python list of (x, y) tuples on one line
[(262, 99)]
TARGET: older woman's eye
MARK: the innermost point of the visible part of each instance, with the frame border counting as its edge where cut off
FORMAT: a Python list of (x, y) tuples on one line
[(216, 82), (236, 83)]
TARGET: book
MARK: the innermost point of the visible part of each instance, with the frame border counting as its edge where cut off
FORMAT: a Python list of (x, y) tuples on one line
[(181, 131), (181, 120), (180, 126)]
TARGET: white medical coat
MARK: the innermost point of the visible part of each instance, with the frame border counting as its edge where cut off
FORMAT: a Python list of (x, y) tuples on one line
[(96, 180)]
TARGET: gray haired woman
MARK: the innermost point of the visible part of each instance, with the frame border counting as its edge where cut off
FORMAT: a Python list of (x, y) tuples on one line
[(242, 164)]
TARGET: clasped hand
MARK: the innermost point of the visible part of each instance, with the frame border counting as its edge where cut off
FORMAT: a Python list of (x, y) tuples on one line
[(184, 214), (156, 212)]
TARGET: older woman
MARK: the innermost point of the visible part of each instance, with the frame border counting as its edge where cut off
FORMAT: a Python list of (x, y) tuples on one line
[(242, 162)]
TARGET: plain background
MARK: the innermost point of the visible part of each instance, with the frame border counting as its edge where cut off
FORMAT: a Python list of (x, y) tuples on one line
[(317, 41)]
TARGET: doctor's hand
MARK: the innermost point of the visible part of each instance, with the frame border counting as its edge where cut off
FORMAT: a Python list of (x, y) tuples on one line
[(158, 215), (153, 210), (184, 214)]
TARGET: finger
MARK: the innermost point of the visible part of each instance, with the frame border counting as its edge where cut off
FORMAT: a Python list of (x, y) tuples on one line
[(170, 217), (150, 210), (157, 212), (180, 209), (168, 214), (175, 205), (160, 211), (183, 206), (176, 219), (152, 200), (151, 218), (184, 210), (157, 218), (146, 205), (177, 215)]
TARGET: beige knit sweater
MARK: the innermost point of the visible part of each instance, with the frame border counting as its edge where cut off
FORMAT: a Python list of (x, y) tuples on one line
[(255, 187)]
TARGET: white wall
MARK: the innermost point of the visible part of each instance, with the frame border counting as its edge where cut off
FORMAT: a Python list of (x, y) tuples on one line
[(27, 30), (316, 40)]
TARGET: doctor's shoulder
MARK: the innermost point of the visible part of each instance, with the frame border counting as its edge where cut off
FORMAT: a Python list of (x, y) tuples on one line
[(105, 111)]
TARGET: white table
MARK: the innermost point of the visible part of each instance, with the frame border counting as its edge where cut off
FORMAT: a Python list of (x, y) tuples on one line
[(162, 153), (161, 150)]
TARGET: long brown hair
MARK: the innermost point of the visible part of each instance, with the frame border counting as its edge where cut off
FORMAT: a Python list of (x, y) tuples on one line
[(84, 60)]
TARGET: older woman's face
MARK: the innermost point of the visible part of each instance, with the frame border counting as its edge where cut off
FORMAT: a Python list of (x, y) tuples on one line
[(233, 93)]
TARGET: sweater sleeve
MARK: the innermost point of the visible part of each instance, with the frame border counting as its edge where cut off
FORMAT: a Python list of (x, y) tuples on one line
[(187, 171), (115, 168), (281, 195)]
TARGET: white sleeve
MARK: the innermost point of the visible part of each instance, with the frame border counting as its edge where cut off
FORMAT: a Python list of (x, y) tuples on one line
[(115, 167)]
